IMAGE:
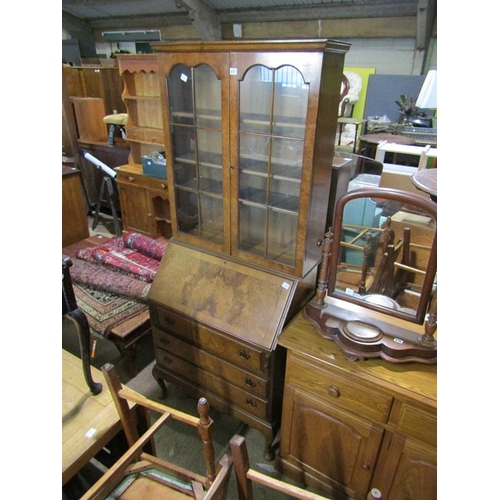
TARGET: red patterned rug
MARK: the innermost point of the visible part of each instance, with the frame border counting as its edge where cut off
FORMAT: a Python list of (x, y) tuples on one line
[(107, 280), (135, 254), (104, 310)]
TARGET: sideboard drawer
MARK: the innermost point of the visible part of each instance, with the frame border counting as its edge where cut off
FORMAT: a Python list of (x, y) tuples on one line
[(234, 374), (207, 339), (338, 389), (411, 420)]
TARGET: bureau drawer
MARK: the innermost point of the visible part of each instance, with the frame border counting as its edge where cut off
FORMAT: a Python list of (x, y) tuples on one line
[(415, 421), (227, 371), (338, 389), (209, 340), (206, 380)]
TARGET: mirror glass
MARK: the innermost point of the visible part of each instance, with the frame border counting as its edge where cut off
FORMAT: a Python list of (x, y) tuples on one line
[(384, 251)]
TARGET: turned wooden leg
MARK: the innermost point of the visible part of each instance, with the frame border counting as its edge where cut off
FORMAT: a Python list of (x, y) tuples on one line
[(161, 382), (83, 330)]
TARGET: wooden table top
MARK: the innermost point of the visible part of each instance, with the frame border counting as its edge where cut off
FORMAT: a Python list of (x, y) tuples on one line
[(426, 180), (88, 422)]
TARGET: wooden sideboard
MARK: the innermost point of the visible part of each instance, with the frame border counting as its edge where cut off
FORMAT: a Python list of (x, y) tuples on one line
[(350, 426)]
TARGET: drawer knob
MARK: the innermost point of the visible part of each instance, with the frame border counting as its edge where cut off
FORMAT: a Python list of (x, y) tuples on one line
[(251, 402), (366, 467), (168, 321), (164, 341), (333, 391), (163, 186), (243, 354), (249, 382), (167, 360), (130, 178)]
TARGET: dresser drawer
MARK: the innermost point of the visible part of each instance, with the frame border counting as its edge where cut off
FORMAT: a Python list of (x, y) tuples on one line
[(207, 339), (160, 184), (154, 136), (135, 179), (135, 133), (338, 389), (206, 380), (234, 374), (415, 421)]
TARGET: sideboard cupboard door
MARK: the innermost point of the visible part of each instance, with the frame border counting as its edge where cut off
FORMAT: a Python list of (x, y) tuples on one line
[(335, 450), (407, 469)]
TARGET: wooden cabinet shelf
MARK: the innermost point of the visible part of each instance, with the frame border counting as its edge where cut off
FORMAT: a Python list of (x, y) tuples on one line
[(145, 200), (141, 95)]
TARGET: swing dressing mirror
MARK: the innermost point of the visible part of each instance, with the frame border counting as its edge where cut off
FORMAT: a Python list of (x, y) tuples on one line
[(381, 255)]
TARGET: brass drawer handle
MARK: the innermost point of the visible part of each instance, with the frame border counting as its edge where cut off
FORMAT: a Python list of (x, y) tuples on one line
[(169, 321), (163, 186), (249, 382), (243, 354), (333, 391), (251, 402), (130, 178)]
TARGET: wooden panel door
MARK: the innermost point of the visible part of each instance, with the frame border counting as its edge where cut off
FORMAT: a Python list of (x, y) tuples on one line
[(407, 469), (334, 449), (136, 209)]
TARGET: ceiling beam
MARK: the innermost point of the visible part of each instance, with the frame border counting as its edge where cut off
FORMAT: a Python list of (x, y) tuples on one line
[(206, 20), (209, 20)]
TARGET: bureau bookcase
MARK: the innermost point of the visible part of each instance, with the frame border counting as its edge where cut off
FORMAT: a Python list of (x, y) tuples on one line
[(249, 142)]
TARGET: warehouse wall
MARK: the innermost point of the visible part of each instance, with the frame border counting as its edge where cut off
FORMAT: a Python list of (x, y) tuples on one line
[(389, 56)]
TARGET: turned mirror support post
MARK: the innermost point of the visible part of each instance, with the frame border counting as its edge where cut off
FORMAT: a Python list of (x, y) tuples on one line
[(319, 299), (430, 324)]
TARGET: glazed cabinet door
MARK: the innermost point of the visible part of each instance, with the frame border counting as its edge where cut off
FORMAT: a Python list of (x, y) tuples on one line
[(334, 450), (407, 469), (197, 145), (273, 124)]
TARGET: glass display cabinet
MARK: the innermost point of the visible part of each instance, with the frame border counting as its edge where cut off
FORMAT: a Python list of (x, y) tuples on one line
[(381, 256), (249, 141)]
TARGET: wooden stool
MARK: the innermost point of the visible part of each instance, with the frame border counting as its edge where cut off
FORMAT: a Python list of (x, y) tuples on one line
[(114, 120)]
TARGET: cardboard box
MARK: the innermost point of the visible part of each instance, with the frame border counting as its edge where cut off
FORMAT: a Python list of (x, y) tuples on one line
[(399, 177)]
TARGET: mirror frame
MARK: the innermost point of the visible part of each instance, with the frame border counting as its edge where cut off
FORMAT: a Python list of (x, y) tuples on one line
[(378, 193)]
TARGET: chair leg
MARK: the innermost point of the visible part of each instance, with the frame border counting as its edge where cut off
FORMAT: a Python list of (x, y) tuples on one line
[(241, 466), (83, 330)]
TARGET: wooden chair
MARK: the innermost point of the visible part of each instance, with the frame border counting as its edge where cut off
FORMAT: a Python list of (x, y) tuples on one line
[(139, 475), (245, 475)]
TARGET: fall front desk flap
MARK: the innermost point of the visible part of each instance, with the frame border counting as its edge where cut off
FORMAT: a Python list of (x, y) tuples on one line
[(248, 303)]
